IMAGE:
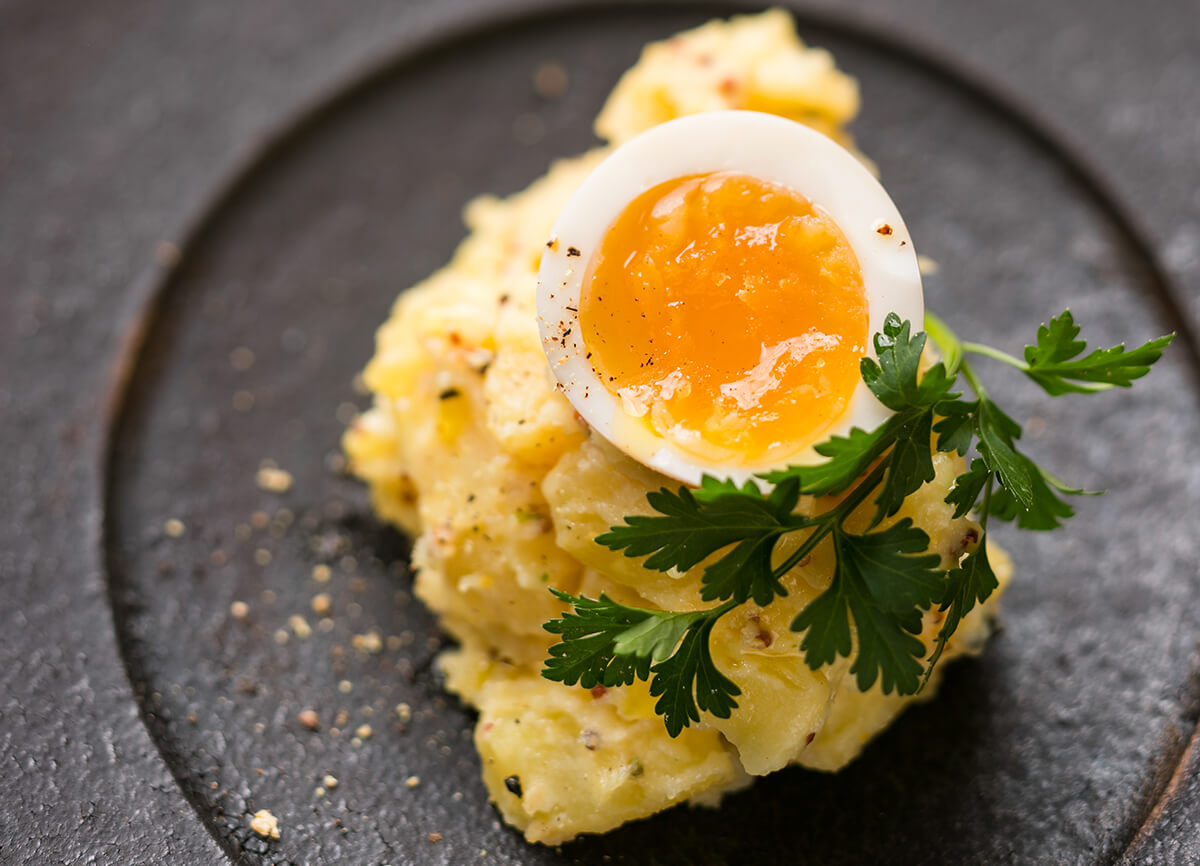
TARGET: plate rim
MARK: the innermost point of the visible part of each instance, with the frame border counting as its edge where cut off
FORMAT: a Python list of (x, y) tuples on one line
[(952, 69)]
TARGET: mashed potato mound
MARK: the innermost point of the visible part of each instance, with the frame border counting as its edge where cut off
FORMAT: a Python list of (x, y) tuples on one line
[(470, 448)]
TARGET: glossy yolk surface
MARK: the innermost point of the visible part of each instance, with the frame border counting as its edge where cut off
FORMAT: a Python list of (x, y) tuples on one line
[(729, 314)]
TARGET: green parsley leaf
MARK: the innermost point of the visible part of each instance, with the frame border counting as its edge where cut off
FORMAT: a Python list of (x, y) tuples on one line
[(610, 644), (972, 581), (956, 428), (849, 457), (711, 489), (1055, 365), (689, 682), (883, 580), (895, 378), (1046, 511), (655, 637), (966, 488), (996, 432), (744, 573), (587, 652), (691, 529), (910, 464)]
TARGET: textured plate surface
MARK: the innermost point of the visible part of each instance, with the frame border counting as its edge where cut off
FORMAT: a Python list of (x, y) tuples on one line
[(1052, 747)]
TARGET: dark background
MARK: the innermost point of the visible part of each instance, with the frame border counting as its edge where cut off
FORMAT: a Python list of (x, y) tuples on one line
[(117, 122)]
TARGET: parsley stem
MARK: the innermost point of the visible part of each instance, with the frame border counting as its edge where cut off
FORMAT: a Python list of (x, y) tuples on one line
[(717, 612), (712, 613), (995, 354), (861, 492), (804, 549), (969, 372), (831, 519), (946, 340)]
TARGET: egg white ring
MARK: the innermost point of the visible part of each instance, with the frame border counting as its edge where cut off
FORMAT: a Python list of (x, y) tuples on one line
[(767, 147)]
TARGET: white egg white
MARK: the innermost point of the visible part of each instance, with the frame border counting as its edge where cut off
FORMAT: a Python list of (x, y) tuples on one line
[(767, 147)]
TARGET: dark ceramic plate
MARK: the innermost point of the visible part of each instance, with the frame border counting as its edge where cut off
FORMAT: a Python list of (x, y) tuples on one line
[(1053, 747)]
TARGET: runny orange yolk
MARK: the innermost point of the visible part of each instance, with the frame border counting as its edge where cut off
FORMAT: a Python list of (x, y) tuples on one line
[(728, 313)]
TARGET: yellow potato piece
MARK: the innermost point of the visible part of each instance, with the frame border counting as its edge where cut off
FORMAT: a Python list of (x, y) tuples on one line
[(561, 761)]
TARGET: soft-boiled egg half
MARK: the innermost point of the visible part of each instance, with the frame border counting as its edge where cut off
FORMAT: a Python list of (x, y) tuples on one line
[(708, 293)]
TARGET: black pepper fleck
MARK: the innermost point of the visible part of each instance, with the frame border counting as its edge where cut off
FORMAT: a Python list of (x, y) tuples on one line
[(449, 394), (573, 251), (513, 783)]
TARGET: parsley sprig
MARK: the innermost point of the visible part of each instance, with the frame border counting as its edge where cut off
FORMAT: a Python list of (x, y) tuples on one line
[(885, 578)]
